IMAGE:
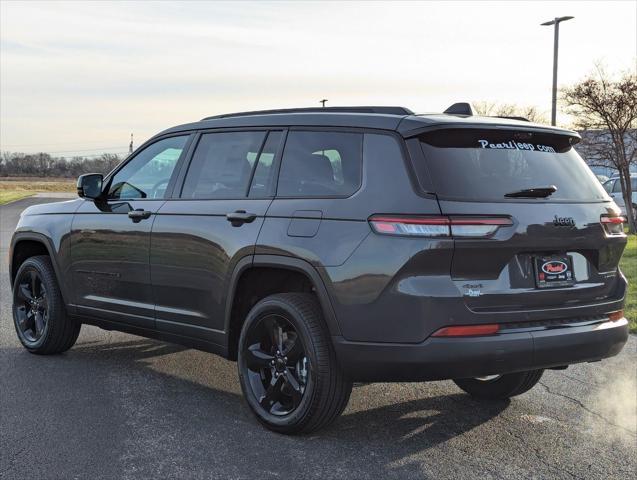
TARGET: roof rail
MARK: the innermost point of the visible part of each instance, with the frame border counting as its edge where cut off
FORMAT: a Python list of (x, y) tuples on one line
[(522, 119), (383, 110)]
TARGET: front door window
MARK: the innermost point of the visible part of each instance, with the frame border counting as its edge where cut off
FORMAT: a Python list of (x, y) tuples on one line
[(147, 175)]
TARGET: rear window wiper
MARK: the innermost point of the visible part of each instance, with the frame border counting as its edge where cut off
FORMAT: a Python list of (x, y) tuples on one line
[(538, 192)]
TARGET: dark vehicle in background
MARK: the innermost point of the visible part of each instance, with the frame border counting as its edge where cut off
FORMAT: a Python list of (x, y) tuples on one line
[(318, 247)]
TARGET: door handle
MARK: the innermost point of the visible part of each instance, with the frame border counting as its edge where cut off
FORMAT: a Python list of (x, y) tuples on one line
[(239, 217), (138, 215)]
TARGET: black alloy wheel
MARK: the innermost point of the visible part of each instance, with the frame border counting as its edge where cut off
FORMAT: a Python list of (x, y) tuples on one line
[(500, 387), (39, 314), (31, 306), (277, 367), (288, 369)]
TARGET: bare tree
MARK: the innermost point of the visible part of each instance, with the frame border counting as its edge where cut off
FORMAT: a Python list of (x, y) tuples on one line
[(605, 109), (494, 109)]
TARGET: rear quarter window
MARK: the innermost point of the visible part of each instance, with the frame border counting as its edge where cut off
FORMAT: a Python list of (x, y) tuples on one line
[(321, 164), (484, 165)]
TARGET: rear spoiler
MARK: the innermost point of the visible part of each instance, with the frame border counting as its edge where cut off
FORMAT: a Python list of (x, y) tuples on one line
[(411, 127)]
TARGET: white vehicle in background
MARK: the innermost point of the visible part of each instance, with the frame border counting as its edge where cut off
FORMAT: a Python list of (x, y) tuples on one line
[(602, 178), (614, 188)]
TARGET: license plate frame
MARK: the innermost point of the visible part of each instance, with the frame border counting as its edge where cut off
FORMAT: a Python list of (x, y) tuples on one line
[(553, 271)]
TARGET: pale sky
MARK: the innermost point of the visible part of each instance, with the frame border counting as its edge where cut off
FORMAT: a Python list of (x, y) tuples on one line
[(78, 78)]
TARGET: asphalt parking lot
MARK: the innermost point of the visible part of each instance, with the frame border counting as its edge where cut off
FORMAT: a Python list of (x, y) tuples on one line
[(120, 406)]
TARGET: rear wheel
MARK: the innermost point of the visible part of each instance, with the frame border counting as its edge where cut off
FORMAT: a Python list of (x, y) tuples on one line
[(39, 315), (498, 387), (287, 367)]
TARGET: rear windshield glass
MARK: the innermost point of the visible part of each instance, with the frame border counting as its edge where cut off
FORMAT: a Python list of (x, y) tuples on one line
[(477, 164)]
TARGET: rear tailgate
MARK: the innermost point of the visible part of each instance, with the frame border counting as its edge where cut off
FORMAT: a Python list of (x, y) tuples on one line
[(503, 273), (556, 256)]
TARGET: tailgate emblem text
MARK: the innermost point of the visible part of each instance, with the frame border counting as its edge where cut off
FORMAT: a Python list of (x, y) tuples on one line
[(563, 221)]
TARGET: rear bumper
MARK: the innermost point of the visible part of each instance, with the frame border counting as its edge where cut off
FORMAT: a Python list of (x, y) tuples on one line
[(446, 358)]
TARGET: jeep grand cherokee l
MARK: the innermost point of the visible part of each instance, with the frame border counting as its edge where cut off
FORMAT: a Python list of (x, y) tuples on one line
[(322, 247)]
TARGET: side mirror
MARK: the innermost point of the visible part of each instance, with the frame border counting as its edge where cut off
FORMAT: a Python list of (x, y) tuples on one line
[(90, 185)]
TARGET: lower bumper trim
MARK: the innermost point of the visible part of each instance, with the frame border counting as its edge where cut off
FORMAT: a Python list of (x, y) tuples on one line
[(448, 358)]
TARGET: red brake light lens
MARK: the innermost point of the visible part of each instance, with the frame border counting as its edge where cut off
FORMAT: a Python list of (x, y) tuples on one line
[(411, 226), (467, 331), (438, 226), (614, 226)]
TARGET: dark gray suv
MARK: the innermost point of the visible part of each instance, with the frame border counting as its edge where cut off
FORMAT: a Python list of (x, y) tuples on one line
[(318, 247)]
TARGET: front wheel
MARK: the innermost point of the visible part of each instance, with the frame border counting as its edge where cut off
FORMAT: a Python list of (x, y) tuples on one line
[(39, 315), (287, 366), (499, 387)]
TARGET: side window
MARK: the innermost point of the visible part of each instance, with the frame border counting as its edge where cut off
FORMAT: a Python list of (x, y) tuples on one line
[(221, 166), (617, 188), (147, 175), (608, 185), (263, 178), (321, 164)]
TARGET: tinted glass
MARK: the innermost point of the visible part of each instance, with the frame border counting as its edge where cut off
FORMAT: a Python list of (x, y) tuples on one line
[(221, 166), (317, 164), (472, 164), (617, 186), (608, 185), (264, 174), (148, 173)]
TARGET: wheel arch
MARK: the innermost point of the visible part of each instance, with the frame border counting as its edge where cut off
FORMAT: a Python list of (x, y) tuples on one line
[(25, 245), (297, 267)]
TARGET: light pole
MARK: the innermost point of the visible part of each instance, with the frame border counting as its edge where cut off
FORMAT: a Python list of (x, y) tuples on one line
[(556, 37)]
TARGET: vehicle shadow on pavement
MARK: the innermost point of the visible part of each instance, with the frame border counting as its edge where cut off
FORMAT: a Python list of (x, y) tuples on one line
[(141, 348), (157, 398), (414, 425), (427, 421)]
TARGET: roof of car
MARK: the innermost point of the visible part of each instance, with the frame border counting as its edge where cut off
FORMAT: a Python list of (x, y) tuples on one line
[(398, 119), (615, 176)]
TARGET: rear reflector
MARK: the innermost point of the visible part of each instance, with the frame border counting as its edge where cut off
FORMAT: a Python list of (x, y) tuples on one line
[(613, 225), (467, 331), (438, 226)]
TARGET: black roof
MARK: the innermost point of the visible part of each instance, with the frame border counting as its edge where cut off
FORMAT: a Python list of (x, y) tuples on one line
[(398, 119)]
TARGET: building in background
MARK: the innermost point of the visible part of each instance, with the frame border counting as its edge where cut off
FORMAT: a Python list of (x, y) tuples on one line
[(596, 150)]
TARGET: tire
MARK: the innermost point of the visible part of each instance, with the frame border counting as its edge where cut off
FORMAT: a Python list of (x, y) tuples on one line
[(502, 387), (39, 315), (304, 392)]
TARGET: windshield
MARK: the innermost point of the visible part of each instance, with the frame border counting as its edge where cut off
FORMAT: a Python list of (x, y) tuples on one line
[(485, 165)]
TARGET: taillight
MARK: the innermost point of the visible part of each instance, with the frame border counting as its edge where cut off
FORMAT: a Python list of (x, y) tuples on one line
[(417, 226), (477, 227), (438, 226), (614, 226), (467, 330)]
